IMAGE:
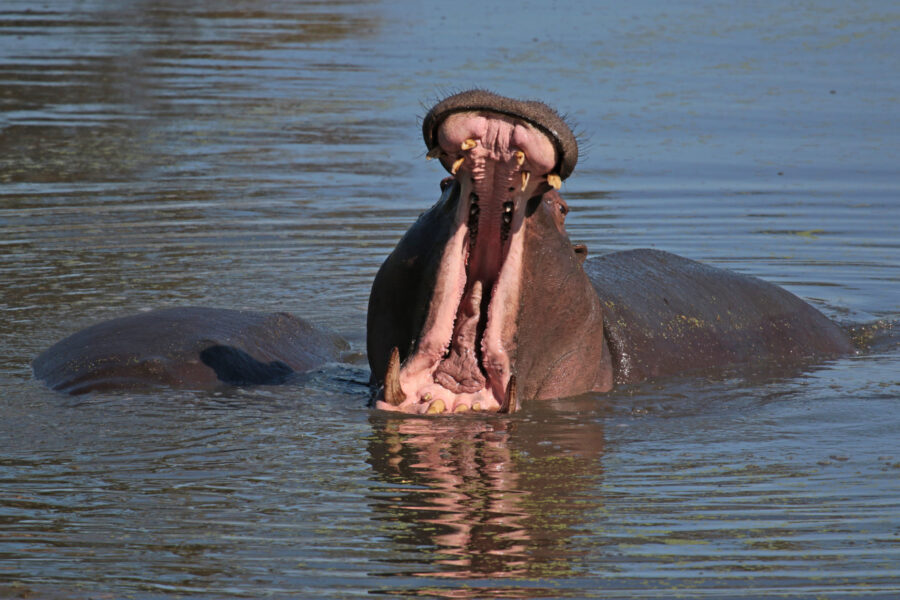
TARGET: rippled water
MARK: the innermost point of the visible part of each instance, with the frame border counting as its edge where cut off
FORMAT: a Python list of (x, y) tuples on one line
[(268, 155)]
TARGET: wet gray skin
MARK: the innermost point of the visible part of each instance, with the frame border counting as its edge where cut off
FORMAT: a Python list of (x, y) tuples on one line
[(191, 348), (624, 317)]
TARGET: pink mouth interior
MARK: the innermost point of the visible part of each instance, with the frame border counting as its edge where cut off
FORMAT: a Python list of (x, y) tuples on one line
[(462, 358)]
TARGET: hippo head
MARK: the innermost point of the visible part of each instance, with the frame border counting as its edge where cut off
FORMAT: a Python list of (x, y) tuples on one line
[(484, 303)]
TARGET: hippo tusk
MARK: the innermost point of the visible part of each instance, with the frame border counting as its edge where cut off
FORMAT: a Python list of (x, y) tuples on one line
[(393, 393), (510, 402)]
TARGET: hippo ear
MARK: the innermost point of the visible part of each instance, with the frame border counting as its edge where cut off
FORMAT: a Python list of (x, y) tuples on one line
[(580, 252)]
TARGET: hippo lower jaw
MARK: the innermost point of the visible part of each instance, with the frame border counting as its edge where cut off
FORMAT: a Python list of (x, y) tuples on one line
[(464, 359)]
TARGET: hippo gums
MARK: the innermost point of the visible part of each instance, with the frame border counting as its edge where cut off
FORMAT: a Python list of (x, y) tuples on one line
[(485, 303)]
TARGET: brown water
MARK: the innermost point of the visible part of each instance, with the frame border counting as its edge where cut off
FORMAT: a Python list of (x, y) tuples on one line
[(268, 155)]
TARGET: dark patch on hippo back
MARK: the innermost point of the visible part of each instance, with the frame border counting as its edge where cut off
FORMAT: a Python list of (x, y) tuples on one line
[(235, 367), (537, 113), (665, 314)]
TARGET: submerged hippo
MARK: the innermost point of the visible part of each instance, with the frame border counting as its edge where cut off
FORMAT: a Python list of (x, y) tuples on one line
[(484, 303)]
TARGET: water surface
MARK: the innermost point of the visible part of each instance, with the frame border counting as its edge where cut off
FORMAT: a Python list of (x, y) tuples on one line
[(267, 155)]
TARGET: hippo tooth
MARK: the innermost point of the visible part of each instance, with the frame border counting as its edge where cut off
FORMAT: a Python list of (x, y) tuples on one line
[(520, 158), (525, 177), (433, 153), (461, 409), (436, 407), (468, 144), (510, 402), (508, 207), (456, 165), (393, 393), (554, 180)]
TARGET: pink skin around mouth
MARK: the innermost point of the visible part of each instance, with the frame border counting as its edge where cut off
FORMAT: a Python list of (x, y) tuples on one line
[(462, 359)]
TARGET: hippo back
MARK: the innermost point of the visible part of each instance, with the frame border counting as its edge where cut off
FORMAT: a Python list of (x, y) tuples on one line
[(188, 348), (665, 314)]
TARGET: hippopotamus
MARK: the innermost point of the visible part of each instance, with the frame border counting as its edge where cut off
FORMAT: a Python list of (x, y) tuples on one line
[(485, 303), (187, 347)]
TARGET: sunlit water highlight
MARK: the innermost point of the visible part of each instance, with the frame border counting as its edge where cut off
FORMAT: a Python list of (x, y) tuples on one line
[(267, 155)]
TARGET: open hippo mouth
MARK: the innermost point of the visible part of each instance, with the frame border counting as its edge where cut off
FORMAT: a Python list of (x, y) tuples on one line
[(501, 153)]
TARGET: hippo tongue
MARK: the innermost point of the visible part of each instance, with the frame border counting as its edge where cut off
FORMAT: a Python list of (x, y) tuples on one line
[(459, 371)]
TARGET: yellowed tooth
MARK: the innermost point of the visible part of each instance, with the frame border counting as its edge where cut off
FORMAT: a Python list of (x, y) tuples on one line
[(476, 406), (456, 165), (426, 396), (436, 408), (393, 392), (510, 398), (468, 144), (520, 158), (554, 180), (461, 409), (433, 153), (525, 177)]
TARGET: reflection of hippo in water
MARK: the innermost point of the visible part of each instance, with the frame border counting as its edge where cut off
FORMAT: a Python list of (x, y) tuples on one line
[(484, 303)]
